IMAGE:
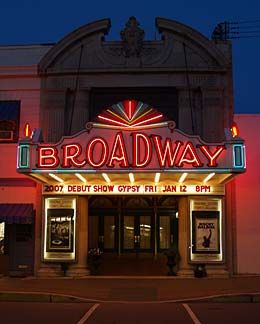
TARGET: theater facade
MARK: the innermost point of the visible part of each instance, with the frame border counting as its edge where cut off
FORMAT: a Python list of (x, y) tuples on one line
[(132, 150)]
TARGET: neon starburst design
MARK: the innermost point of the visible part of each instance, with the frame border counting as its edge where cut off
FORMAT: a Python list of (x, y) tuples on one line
[(130, 114)]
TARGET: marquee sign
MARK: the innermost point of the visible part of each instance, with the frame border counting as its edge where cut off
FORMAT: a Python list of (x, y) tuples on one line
[(151, 189), (130, 136)]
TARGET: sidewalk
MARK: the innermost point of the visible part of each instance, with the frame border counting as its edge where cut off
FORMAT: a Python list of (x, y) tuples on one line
[(125, 289)]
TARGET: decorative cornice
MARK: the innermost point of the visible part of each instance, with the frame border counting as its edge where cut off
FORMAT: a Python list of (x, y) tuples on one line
[(99, 26), (191, 36)]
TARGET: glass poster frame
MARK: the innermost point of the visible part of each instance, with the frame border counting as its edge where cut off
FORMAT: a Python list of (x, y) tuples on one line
[(206, 230), (59, 229)]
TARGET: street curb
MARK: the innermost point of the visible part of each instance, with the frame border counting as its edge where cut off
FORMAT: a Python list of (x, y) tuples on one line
[(18, 296)]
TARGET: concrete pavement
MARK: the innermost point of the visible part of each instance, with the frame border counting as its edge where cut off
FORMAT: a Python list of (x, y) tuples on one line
[(130, 289)]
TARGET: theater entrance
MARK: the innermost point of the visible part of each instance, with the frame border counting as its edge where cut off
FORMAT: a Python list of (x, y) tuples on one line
[(133, 232)]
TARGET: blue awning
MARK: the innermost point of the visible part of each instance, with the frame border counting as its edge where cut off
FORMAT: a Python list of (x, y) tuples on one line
[(16, 213)]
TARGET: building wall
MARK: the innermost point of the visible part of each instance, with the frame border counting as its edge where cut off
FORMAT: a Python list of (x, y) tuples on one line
[(22, 84), (247, 191), (83, 61), (44, 98)]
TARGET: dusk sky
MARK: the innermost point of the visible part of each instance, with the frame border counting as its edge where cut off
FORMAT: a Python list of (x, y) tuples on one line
[(37, 22)]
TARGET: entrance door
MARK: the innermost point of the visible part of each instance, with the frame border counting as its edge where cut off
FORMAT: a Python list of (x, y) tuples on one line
[(102, 232), (167, 229), (137, 234), (21, 249)]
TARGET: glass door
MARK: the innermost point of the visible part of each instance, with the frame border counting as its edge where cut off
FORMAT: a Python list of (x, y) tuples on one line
[(102, 232), (137, 233), (129, 233), (167, 234), (144, 232)]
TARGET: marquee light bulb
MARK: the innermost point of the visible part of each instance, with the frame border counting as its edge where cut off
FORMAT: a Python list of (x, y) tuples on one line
[(55, 177), (183, 177), (131, 177), (209, 176), (157, 177), (80, 177), (106, 177)]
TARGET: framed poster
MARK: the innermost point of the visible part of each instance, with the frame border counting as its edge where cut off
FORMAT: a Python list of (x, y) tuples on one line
[(60, 229), (206, 232)]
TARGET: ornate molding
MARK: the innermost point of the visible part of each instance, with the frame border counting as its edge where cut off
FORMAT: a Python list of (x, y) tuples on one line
[(132, 38), (133, 52)]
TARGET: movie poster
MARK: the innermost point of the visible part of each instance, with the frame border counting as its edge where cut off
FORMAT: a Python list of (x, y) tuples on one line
[(205, 232), (60, 230)]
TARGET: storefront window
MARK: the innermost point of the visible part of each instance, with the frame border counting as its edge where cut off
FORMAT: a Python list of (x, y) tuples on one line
[(9, 121)]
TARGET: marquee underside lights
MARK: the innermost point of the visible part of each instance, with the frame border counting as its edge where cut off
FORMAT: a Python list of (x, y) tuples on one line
[(131, 177), (157, 177), (55, 177), (208, 177), (80, 177), (183, 177), (106, 177)]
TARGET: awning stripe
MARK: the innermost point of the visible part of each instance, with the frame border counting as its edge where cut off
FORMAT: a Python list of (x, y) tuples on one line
[(16, 213)]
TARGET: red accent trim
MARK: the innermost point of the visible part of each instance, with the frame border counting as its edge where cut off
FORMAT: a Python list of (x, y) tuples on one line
[(130, 107), (147, 120), (234, 130), (27, 130), (113, 121)]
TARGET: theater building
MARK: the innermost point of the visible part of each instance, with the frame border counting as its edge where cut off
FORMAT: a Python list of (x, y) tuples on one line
[(128, 146)]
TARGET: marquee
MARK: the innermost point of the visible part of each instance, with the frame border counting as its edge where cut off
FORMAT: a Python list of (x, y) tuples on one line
[(129, 137)]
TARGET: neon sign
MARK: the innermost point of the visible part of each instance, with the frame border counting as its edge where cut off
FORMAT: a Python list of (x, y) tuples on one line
[(131, 136), (136, 151)]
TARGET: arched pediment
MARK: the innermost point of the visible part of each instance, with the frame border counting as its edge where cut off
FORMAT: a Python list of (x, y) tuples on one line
[(72, 41), (86, 47), (192, 39)]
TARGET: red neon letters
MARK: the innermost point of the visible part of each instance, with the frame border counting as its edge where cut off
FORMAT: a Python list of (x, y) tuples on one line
[(136, 150)]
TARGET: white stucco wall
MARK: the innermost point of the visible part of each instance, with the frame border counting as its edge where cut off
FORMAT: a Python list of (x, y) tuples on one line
[(247, 188)]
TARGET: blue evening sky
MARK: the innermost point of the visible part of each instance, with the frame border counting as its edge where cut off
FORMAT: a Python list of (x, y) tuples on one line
[(37, 21)]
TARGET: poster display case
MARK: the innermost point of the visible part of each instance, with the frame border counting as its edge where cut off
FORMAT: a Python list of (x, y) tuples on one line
[(206, 230), (59, 229)]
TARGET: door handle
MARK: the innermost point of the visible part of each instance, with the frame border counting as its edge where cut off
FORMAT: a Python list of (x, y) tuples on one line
[(137, 238)]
